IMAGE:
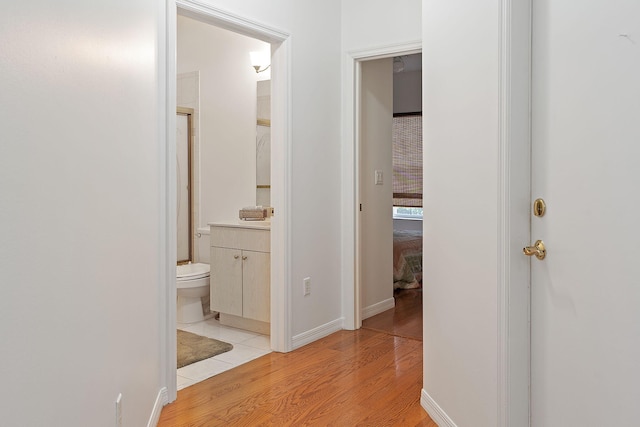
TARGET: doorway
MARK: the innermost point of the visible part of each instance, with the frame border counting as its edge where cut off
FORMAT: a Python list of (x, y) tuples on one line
[(280, 224), (352, 273), (390, 194)]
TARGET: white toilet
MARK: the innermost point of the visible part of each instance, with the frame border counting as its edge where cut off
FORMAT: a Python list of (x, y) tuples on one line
[(192, 284)]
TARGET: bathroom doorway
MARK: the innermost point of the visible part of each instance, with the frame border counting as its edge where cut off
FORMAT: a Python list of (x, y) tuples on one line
[(279, 46), (216, 79)]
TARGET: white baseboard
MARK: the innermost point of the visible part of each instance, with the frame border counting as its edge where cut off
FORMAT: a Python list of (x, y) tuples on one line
[(378, 308), (161, 400), (435, 411), (317, 333)]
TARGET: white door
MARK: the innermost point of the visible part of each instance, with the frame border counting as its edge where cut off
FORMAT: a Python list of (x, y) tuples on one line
[(375, 187), (585, 295)]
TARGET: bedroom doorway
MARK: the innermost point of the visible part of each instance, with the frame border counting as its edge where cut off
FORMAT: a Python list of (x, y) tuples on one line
[(389, 194)]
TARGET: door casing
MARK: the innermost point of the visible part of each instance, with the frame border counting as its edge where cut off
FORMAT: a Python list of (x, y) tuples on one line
[(514, 228)]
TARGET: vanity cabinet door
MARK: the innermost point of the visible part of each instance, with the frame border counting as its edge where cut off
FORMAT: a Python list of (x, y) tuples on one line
[(256, 276), (226, 280)]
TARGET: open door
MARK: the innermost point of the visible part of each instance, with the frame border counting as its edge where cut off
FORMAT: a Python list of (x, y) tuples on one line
[(375, 222)]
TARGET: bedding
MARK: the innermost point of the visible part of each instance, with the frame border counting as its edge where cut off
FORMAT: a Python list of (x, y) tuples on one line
[(407, 259)]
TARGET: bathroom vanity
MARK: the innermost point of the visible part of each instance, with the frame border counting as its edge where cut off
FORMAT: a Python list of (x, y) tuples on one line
[(240, 274)]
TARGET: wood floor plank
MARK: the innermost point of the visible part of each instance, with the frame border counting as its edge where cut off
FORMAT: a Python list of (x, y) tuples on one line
[(350, 378)]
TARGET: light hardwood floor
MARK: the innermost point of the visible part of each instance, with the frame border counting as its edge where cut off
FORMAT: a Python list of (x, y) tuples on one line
[(350, 378), (405, 320)]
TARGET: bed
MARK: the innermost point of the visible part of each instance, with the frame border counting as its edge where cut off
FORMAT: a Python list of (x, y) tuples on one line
[(407, 259)]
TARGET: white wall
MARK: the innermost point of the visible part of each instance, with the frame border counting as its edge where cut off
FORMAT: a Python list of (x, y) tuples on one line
[(316, 110), (227, 115), (80, 213), (377, 23), (460, 81), (376, 227)]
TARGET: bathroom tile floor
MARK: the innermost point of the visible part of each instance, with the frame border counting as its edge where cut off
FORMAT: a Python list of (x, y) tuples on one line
[(246, 347)]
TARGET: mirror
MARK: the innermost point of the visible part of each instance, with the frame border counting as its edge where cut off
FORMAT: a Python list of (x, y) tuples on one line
[(263, 144)]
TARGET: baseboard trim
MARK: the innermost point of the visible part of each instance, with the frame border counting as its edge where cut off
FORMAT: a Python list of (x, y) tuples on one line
[(378, 308), (161, 400), (435, 411), (317, 333)]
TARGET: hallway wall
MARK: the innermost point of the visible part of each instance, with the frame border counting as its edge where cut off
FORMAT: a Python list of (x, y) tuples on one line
[(80, 216), (461, 95)]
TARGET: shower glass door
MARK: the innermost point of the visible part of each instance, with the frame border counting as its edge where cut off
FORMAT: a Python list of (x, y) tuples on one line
[(183, 168)]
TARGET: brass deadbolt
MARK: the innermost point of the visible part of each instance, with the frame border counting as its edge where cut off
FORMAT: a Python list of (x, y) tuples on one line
[(539, 207)]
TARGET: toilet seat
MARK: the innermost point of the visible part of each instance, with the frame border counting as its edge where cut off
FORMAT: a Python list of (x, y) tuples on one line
[(192, 271)]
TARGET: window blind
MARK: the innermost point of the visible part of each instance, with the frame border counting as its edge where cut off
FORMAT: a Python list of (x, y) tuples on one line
[(407, 160)]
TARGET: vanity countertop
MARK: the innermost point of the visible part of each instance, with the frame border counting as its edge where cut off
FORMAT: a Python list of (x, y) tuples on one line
[(262, 225)]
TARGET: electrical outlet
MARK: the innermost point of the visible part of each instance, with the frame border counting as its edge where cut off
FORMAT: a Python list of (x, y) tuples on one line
[(307, 286), (119, 410)]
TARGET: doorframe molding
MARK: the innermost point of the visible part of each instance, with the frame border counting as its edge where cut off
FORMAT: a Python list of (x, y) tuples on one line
[(352, 60), (281, 172), (514, 188)]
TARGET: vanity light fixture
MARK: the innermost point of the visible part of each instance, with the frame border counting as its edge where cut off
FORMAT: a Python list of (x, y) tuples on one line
[(260, 61)]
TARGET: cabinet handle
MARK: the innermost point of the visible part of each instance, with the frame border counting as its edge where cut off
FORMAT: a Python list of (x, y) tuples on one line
[(236, 256), (244, 257)]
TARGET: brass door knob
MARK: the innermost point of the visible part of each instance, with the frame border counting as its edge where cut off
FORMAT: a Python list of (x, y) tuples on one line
[(537, 249)]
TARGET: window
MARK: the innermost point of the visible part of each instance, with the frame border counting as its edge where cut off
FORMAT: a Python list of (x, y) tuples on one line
[(403, 212), (407, 165)]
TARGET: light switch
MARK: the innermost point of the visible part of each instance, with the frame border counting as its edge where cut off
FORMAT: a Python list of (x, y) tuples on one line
[(378, 177)]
